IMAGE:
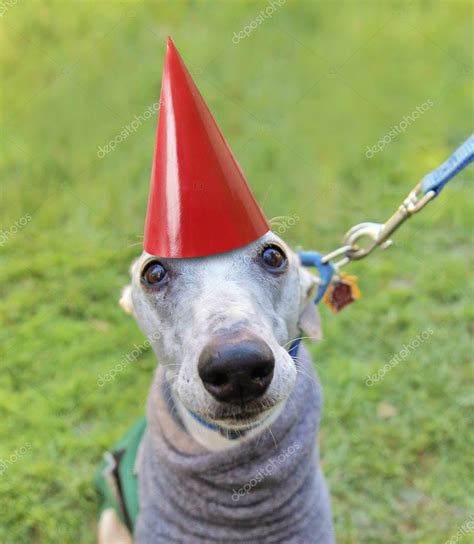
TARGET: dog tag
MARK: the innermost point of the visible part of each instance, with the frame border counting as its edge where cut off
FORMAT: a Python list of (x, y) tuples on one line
[(342, 292)]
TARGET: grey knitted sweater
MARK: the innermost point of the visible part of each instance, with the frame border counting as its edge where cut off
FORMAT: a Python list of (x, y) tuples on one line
[(269, 489)]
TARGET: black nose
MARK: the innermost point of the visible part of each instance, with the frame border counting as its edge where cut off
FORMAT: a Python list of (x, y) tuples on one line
[(235, 369)]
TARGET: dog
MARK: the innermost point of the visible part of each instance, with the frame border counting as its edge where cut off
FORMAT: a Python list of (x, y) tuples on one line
[(221, 327)]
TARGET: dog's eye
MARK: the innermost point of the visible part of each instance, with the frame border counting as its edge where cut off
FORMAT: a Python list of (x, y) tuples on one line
[(153, 273), (274, 258)]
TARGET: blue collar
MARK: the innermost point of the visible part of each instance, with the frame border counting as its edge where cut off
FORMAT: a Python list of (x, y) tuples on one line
[(204, 423)]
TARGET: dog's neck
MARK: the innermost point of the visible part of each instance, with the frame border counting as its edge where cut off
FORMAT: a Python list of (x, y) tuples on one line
[(214, 440), (193, 482)]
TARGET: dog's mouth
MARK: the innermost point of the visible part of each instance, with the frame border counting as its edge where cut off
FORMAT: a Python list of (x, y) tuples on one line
[(238, 419), (244, 418)]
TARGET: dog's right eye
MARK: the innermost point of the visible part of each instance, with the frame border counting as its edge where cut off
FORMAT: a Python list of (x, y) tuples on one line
[(153, 274), (274, 258)]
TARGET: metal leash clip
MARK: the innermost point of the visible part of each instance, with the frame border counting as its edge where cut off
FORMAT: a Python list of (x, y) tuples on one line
[(378, 233), (429, 187)]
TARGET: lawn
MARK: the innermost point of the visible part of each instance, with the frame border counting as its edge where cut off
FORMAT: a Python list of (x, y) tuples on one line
[(302, 99)]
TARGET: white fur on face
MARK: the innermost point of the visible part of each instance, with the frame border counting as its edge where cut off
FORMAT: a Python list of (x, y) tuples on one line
[(227, 291)]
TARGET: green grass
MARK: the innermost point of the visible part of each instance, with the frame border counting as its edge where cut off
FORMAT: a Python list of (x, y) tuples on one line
[(300, 100)]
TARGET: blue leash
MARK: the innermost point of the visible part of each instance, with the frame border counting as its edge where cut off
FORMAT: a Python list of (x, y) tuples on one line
[(436, 180), (425, 191)]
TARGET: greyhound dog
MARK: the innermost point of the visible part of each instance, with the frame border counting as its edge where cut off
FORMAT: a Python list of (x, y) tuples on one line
[(221, 327)]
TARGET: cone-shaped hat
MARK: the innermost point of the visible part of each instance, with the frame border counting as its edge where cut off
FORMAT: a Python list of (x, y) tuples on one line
[(200, 203)]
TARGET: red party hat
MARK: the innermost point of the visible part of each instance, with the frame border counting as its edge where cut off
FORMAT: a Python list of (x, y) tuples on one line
[(199, 203)]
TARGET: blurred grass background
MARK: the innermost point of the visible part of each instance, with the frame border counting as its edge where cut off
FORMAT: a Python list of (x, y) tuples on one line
[(299, 99)]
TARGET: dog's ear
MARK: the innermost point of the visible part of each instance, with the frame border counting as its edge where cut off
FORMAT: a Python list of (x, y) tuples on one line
[(309, 321), (126, 301)]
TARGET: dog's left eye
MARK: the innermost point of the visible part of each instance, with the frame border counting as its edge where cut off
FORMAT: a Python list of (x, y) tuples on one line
[(153, 273), (274, 258)]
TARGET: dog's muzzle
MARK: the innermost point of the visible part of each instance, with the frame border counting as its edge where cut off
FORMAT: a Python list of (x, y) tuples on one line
[(236, 368)]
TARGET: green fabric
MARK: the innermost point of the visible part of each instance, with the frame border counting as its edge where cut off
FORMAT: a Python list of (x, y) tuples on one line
[(128, 481)]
